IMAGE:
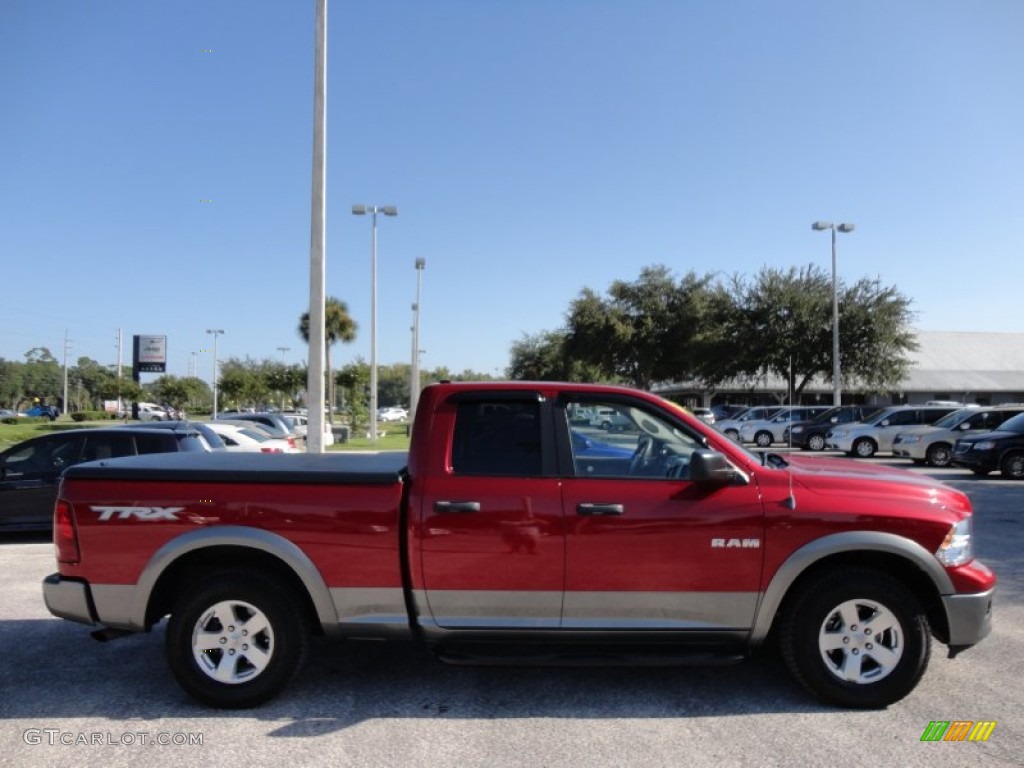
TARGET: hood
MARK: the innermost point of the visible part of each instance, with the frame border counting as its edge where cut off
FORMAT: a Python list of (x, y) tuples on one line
[(847, 477)]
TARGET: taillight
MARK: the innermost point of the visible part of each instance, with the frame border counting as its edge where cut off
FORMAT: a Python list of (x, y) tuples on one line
[(271, 450), (65, 536), (291, 441)]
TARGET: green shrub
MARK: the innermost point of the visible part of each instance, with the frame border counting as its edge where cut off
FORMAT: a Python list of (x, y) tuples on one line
[(10, 420)]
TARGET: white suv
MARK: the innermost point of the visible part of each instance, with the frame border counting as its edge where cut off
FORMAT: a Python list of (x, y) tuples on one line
[(877, 432), (934, 444), (764, 432)]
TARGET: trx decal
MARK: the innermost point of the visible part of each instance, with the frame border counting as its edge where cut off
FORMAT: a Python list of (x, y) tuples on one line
[(140, 513), (735, 543)]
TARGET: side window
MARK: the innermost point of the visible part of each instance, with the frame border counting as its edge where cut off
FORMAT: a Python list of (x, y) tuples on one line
[(638, 444), (902, 418), (497, 438), (42, 457), (106, 447), (156, 443)]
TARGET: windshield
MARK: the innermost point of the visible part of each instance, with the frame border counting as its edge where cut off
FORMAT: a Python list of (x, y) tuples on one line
[(950, 420), (1016, 424)]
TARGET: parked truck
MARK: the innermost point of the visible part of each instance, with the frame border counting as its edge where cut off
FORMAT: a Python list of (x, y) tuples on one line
[(499, 535)]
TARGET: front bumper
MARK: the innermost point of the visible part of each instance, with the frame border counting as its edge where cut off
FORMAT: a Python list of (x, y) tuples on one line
[(67, 599), (969, 617)]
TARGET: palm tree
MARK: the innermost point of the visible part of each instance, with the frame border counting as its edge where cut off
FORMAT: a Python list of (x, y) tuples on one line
[(338, 326)]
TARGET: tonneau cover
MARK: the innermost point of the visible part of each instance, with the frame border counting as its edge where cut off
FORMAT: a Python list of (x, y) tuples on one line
[(383, 468)]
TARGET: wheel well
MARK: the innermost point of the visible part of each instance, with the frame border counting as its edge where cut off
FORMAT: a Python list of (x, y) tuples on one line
[(194, 565), (916, 580)]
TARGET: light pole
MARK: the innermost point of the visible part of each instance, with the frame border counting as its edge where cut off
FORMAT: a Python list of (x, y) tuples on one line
[(414, 379), (216, 332), (362, 210), (283, 351), (837, 389)]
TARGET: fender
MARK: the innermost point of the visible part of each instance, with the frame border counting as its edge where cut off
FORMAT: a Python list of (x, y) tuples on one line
[(228, 535), (836, 543)]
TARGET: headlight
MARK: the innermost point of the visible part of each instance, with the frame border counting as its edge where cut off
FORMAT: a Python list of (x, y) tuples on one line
[(906, 439), (984, 445), (837, 433), (956, 548), (797, 430)]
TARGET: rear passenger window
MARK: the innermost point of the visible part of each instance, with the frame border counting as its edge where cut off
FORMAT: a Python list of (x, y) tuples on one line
[(497, 438), (156, 443), (110, 446)]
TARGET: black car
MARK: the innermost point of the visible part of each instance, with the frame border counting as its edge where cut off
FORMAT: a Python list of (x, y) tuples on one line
[(1002, 449), (810, 435), (30, 471)]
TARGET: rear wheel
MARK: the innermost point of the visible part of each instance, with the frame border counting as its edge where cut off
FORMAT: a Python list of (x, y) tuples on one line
[(1012, 466), (816, 442), (235, 639), (864, 448), (939, 455), (856, 637)]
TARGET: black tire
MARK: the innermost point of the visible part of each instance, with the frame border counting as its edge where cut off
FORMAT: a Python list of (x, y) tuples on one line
[(864, 448), (733, 434), (939, 455), (816, 442), (763, 439), (259, 665), (1012, 466), (830, 649)]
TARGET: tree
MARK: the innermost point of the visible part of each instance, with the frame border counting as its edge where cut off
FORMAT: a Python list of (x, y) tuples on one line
[(643, 332), (543, 357), (338, 326), (42, 377)]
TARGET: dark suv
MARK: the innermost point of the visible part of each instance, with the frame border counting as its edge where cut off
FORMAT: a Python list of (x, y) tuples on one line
[(30, 471), (809, 435), (1002, 449)]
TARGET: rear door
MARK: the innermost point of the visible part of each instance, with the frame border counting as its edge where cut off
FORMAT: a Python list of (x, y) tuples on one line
[(646, 548), (492, 534)]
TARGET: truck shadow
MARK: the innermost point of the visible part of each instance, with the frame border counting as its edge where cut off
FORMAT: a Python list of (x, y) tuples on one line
[(52, 670)]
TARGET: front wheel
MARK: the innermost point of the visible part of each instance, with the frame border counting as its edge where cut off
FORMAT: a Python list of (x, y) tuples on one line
[(816, 442), (856, 637), (940, 454), (1012, 466), (236, 638), (864, 448), (763, 439), (733, 434)]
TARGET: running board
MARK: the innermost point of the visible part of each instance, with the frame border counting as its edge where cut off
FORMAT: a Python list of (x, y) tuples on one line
[(487, 654)]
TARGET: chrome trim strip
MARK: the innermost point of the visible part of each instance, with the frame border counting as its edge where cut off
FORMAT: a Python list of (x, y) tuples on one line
[(659, 610), (370, 611), (847, 541)]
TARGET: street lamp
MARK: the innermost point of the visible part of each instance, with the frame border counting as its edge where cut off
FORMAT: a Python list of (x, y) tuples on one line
[(818, 226), (216, 332), (362, 210), (414, 380)]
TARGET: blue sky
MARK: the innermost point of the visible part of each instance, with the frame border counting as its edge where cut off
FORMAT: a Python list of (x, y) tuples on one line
[(533, 148)]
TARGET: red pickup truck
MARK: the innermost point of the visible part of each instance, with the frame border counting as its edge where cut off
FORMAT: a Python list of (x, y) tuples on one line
[(515, 529)]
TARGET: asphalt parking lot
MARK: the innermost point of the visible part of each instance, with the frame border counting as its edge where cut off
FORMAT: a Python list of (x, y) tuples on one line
[(67, 700)]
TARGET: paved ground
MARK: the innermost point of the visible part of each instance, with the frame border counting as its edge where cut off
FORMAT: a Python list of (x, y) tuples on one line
[(393, 706)]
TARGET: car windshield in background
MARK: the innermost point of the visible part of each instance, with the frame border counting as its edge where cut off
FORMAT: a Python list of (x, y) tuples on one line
[(1016, 424)]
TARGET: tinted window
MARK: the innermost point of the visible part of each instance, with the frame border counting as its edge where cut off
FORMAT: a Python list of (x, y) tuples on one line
[(107, 446), (156, 443), (497, 438), (1016, 424)]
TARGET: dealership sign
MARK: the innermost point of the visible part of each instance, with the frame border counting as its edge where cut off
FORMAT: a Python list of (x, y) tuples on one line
[(149, 354)]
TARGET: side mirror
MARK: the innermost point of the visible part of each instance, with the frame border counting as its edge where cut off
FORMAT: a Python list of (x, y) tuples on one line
[(711, 467), (884, 423), (965, 425)]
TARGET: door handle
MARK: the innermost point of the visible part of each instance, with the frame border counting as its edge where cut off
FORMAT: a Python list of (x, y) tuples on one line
[(456, 506), (599, 509)]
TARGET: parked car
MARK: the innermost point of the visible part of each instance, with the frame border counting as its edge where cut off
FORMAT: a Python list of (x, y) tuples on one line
[(1001, 449), (392, 413), (278, 421), (153, 412), (249, 439), (866, 438), (810, 435), (7, 414), (764, 432), (731, 427), (268, 429), (30, 471), (612, 420), (49, 411), (704, 414), (933, 444)]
